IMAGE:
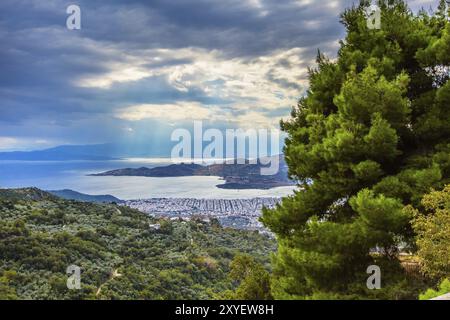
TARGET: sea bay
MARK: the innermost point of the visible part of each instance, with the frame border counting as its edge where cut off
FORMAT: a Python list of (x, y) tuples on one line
[(57, 175)]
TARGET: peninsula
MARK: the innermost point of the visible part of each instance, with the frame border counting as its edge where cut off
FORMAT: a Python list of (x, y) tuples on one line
[(236, 176)]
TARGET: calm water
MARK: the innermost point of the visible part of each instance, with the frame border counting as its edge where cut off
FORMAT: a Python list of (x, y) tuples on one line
[(56, 175)]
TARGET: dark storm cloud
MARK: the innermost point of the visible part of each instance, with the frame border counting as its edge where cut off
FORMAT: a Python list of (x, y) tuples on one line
[(236, 27), (45, 67)]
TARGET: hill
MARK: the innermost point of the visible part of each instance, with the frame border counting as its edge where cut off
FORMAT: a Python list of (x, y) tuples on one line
[(62, 153), (123, 253), (92, 152), (73, 195)]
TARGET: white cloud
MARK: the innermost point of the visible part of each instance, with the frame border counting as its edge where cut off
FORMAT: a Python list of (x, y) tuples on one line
[(122, 73), (268, 82), (190, 111), (7, 142), (17, 143), (170, 112)]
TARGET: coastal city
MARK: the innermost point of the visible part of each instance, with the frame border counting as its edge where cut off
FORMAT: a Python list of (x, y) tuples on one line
[(234, 213)]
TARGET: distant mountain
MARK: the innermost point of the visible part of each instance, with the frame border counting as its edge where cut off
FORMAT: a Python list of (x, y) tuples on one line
[(236, 176), (103, 152), (73, 195), (62, 153), (107, 151)]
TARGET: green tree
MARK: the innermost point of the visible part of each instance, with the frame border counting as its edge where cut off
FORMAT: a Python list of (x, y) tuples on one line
[(371, 135), (433, 233), (7, 291), (444, 288), (253, 280)]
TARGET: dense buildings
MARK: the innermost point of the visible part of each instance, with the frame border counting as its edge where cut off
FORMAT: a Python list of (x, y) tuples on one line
[(237, 213)]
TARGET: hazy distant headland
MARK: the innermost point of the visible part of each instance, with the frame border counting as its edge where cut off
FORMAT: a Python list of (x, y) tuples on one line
[(94, 152)]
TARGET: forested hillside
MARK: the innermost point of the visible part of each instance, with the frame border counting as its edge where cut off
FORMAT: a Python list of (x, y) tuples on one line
[(120, 251)]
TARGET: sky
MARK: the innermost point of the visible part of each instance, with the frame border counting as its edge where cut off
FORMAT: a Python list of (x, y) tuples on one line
[(139, 69)]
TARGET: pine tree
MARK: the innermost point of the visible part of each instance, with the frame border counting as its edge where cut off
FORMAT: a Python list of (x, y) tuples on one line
[(371, 135)]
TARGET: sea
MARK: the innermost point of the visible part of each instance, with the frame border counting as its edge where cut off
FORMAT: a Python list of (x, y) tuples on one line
[(74, 175)]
